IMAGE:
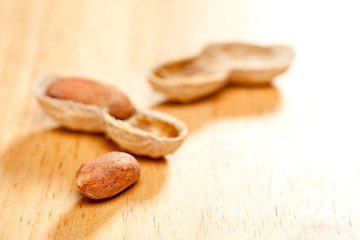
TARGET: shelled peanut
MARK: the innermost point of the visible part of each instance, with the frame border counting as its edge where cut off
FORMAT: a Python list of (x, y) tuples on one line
[(107, 175)]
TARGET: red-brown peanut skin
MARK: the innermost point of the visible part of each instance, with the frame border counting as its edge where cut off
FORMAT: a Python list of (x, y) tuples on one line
[(89, 91), (107, 175)]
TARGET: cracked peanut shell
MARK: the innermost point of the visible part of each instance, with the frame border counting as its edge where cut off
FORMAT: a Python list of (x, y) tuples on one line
[(145, 132)]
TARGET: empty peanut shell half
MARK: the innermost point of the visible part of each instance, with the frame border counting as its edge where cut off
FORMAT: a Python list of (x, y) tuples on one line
[(240, 63), (141, 132), (187, 80), (146, 132), (248, 63)]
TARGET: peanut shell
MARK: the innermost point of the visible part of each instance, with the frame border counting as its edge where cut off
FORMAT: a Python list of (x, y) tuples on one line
[(217, 65), (72, 115), (145, 132), (88, 91), (250, 64), (187, 80)]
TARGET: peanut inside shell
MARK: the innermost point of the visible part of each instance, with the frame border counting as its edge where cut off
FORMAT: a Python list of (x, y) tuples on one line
[(144, 132), (88, 91)]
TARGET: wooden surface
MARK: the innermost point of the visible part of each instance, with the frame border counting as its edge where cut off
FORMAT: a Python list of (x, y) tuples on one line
[(278, 162)]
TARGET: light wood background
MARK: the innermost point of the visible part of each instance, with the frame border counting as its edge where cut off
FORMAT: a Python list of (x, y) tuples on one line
[(278, 162)]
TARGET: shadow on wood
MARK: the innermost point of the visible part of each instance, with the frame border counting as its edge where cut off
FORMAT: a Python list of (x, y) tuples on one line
[(87, 215), (43, 166), (249, 102)]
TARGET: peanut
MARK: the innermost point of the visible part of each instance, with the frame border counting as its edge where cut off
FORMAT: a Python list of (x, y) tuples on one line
[(107, 175), (88, 91)]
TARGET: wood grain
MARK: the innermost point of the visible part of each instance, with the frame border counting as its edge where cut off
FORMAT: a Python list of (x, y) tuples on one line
[(277, 162)]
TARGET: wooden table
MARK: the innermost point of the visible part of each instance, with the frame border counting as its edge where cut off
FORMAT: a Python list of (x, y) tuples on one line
[(277, 162)]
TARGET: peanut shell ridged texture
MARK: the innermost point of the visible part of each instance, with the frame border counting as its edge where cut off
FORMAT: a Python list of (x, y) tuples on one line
[(148, 133), (107, 175)]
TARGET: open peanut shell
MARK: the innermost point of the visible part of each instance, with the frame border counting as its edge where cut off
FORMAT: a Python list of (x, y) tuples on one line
[(72, 115), (145, 132), (219, 64), (187, 79), (248, 63)]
